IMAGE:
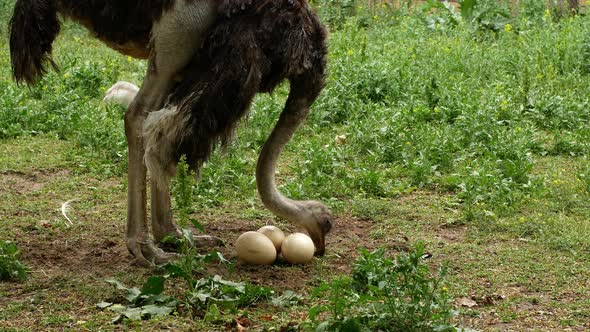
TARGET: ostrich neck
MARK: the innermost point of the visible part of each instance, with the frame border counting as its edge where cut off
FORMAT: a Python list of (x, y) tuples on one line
[(288, 122)]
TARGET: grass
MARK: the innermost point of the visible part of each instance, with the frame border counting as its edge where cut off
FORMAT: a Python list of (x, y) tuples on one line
[(468, 133)]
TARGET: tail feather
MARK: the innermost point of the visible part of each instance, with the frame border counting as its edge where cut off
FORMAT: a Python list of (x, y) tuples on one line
[(33, 28)]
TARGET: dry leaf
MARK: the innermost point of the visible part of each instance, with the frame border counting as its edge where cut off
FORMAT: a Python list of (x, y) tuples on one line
[(492, 299), (466, 302), (266, 318)]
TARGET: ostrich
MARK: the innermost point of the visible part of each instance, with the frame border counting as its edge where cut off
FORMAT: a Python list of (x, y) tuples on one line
[(206, 61)]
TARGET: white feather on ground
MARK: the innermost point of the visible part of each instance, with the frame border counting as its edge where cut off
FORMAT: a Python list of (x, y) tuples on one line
[(66, 207)]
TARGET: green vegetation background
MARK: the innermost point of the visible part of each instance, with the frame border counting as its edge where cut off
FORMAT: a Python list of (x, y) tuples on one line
[(487, 107), (465, 103)]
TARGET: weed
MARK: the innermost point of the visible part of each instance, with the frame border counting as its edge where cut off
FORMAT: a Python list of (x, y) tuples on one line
[(201, 296), (182, 188), (205, 296), (11, 268), (143, 304), (385, 295)]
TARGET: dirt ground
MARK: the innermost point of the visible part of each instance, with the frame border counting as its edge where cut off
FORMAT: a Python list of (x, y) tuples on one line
[(70, 263), (101, 255)]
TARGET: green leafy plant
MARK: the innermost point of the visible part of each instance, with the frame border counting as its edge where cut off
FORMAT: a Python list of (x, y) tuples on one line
[(202, 293), (205, 296), (478, 15), (183, 193), (149, 302), (11, 268), (224, 294), (385, 295), (182, 189)]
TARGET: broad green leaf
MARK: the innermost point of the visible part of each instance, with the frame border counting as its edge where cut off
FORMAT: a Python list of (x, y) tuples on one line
[(187, 234), (467, 7), (153, 286), (133, 295), (119, 308), (103, 305), (288, 298), (203, 297), (198, 225), (117, 284), (213, 314), (154, 310), (132, 313), (239, 286)]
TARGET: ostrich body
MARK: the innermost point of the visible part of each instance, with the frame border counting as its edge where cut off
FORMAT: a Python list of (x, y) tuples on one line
[(206, 61)]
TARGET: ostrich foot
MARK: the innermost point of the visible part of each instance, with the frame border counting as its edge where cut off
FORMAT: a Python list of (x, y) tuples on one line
[(147, 254)]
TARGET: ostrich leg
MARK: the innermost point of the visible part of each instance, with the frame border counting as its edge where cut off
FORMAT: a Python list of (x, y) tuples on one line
[(314, 216), (123, 93), (175, 39)]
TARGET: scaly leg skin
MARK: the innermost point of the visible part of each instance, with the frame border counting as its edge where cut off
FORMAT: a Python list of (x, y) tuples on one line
[(139, 241)]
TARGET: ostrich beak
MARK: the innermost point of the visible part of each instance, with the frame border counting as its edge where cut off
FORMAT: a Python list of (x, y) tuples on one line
[(320, 245), (318, 236), (319, 240)]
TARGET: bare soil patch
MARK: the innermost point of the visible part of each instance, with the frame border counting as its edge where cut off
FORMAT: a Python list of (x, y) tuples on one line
[(24, 183), (98, 253), (343, 243)]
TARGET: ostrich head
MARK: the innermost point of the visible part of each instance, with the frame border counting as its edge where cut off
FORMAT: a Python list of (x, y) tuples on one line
[(316, 218)]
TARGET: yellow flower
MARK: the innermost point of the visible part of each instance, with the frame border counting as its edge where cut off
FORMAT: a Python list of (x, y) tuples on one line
[(508, 28), (350, 52), (504, 105), (129, 59), (67, 75), (376, 18)]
